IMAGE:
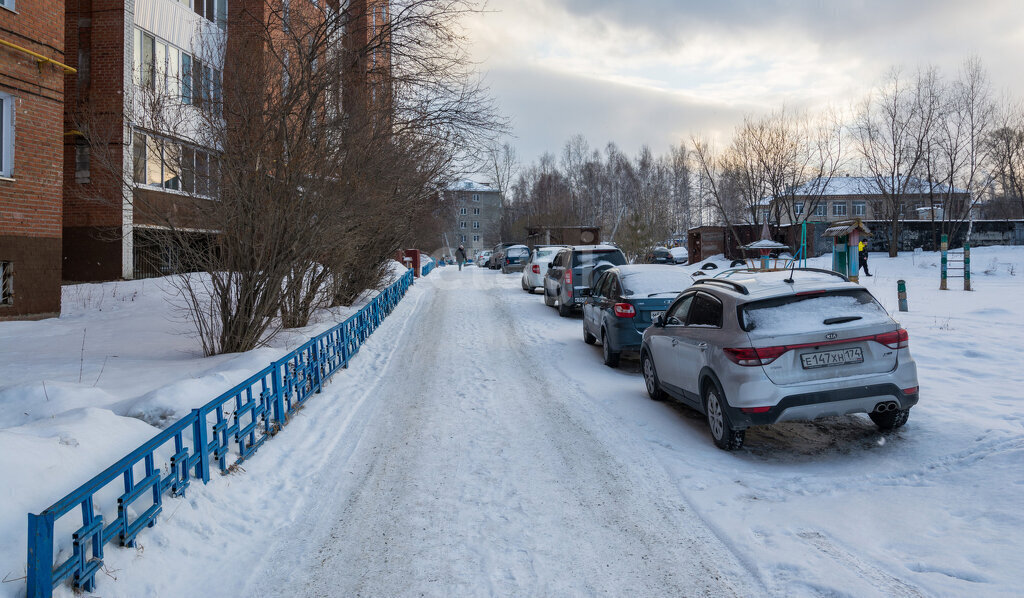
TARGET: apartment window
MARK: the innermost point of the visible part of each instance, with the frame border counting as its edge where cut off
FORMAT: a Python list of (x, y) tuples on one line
[(82, 174), (798, 208), (146, 59), (169, 165), (462, 224), (839, 208), (7, 4), (6, 135), (462, 238), (476, 238), (186, 78), (6, 283), (462, 212), (820, 210), (476, 224), (476, 211), (860, 208), (476, 197)]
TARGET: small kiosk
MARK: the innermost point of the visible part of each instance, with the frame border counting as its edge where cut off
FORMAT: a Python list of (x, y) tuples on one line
[(846, 236)]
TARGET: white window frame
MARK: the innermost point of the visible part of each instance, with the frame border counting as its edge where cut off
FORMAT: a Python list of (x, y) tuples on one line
[(860, 208), (476, 238), (476, 211), (462, 224), (798, 208), (462, 211), (476, 224), (836, 211), (821, 210), (476, 197), (6, 135), (6, 283)]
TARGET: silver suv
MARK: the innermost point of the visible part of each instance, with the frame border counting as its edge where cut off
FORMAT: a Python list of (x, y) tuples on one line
[(754, 348)]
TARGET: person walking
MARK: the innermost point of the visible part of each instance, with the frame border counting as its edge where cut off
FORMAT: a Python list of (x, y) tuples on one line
[(863, 259), (460, 256)]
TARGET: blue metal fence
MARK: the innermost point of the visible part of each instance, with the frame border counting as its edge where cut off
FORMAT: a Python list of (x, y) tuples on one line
[(427, 269), (225, 431)]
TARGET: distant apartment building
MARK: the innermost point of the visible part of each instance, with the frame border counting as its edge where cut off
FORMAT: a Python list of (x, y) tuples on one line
[(31, 135), (477, 216), (842, 198), (180, 54)]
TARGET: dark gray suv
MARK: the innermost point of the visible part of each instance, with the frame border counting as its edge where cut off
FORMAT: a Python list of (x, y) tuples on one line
[(575, 269)]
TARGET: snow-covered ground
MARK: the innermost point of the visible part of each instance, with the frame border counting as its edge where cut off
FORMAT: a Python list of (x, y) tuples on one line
[(478, 447)]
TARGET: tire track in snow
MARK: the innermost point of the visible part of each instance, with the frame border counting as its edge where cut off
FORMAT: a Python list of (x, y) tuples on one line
[(496, 483)]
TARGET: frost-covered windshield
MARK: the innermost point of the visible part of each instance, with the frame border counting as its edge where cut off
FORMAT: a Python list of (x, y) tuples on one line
[(796, 314), (592, 258)]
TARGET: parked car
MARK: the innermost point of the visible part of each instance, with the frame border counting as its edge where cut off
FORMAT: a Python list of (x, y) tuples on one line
[(496, 254), (483, 258), (679, 255), (537, 266), (658, 255), (758, 348), (622, 303), (514, 258), (573, 269)]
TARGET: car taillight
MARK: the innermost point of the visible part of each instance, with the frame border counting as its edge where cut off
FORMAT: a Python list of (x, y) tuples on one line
[(536, 269), (624, 310), (897, 339), (568, 277), (750, 356)]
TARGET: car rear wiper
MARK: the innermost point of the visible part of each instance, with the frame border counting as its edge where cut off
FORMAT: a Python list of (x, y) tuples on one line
[(840, 320), (664, 292)]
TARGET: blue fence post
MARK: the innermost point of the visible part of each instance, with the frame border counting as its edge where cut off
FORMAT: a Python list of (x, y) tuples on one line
[(275, 380), (201, 445), (316, 363), (40, 555)]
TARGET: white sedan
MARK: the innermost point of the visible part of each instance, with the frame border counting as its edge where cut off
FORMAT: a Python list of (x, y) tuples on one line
[(537, 266)]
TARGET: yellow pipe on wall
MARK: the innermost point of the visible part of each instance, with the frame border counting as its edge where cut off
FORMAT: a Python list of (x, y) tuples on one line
[(39, 57)]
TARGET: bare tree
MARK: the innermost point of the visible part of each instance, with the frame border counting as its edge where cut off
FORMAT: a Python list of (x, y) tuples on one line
[(891, 129), (1006, 150)]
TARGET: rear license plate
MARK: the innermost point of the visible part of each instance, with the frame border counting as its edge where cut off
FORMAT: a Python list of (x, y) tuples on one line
[(831, 358)]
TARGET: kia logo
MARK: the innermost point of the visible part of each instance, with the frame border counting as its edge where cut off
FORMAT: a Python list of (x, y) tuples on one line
[(831, 336)]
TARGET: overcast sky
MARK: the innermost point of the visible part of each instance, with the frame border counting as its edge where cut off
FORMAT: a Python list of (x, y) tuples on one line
[(653, 71)]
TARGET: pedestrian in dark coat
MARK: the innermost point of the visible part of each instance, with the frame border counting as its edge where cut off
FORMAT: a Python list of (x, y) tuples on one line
[(460, 256), (863, 261)]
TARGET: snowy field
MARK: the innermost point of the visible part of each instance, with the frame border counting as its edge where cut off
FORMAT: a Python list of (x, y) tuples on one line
[(477, 447)]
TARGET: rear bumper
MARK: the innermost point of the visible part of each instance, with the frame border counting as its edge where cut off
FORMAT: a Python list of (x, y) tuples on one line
[(825, 403), (514, 267)]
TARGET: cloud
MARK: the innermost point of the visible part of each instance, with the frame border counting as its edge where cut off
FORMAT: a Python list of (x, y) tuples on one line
[(688, 60)]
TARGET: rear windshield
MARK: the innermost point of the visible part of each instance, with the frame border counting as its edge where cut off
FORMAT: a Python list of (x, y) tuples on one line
[(671, 281), (592, 258), (517, 252), (796, 314), (546, 255)]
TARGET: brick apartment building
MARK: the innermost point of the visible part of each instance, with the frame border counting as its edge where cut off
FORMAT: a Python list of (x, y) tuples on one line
[(31, 136), (117, 209)]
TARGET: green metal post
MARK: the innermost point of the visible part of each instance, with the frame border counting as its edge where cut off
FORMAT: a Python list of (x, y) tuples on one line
[(967, 265), (944, 247), (901, 292)]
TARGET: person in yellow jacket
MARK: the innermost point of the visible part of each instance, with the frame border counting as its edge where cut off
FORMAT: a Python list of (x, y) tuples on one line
[(863, 259)]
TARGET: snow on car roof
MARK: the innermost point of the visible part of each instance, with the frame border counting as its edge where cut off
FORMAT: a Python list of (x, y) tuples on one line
[(594, 248), (767, 283)]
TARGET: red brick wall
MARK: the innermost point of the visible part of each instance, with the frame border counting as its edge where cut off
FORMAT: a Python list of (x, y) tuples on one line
[(94, 38), (31, 204)]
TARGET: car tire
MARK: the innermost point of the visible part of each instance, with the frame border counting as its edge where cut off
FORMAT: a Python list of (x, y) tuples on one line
[(563, 310), (890, 420), (722, 432), (736, 263), (611, 358), (651, 377), (588, 338)]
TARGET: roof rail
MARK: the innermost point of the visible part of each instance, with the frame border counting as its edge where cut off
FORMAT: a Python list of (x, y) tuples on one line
[(722, 281), (823, 271)]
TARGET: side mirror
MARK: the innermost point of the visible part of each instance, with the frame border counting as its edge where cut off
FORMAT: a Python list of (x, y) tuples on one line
[(549, 265), (658, 322)]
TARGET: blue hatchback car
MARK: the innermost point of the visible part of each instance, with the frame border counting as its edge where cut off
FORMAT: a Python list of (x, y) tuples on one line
[(623, 302)]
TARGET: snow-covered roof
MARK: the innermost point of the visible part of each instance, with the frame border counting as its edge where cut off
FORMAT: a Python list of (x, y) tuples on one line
[(468, 185), (765, 244), (862, 185)]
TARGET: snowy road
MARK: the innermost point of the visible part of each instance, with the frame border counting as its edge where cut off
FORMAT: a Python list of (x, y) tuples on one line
[(487, 472)]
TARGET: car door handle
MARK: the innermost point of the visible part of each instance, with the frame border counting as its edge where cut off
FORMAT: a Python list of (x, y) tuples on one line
[(675, 342), (702, 346)]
